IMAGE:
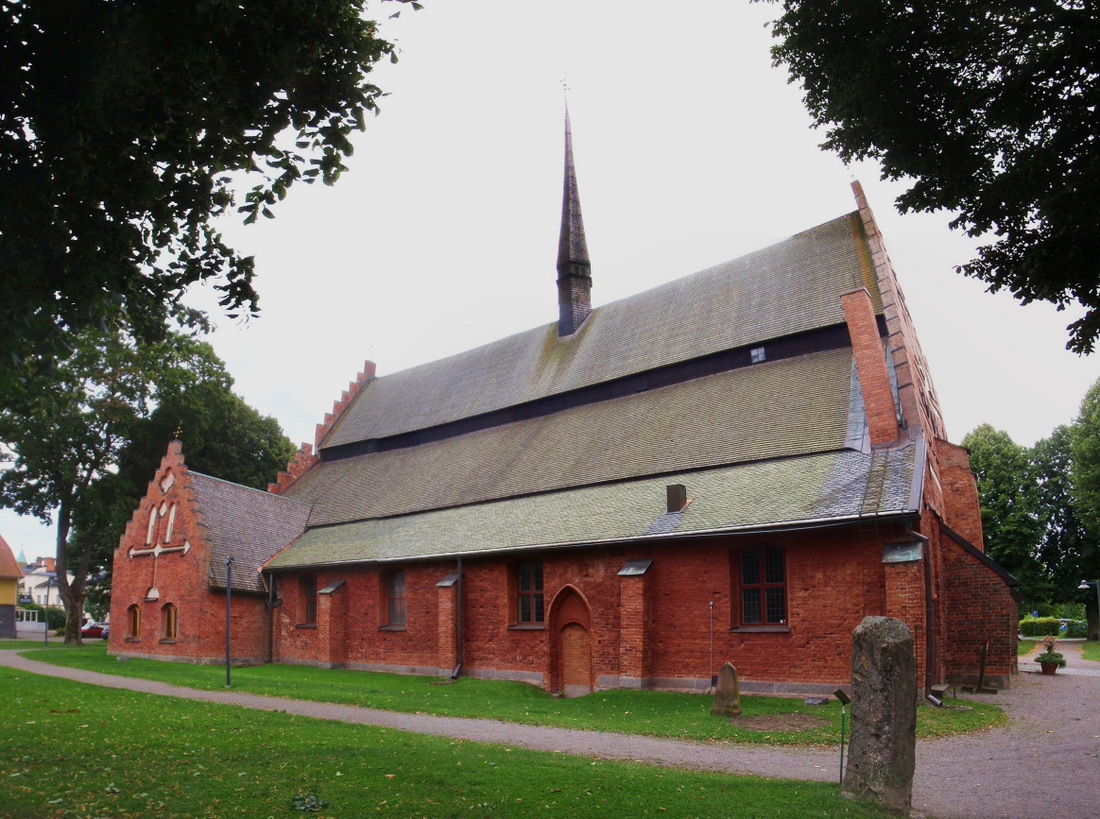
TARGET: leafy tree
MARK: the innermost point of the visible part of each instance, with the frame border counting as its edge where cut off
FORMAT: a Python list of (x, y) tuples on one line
[(988, 108), (70, 449), (1011, 524), (1086, 483), (124, 131), (1068, 550), (221, 435)]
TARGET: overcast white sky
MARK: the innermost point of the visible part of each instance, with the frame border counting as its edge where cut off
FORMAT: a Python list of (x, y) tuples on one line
[(691, 150)]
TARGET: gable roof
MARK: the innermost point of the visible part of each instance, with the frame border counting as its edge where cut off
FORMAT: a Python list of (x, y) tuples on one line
[(812, 490), (248, 524), (791, 287), (772, 410), (9, 568), (536, 441)]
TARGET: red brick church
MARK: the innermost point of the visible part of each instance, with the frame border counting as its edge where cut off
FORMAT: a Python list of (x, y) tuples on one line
[(738, 465)]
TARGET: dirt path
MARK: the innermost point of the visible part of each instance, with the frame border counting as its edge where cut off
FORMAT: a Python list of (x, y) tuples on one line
[(1045, 762)]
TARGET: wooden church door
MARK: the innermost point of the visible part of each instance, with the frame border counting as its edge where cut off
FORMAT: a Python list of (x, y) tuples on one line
[(571, 621), (576, 659)]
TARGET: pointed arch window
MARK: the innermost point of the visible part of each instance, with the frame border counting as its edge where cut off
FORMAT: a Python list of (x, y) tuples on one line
[(168, 622), (133, 622)]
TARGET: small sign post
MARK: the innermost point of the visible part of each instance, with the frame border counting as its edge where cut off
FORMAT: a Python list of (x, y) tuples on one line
[(228, 609), (844, 700)]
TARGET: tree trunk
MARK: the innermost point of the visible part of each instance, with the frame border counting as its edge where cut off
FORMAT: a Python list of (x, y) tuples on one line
[(72, 596), (1093, 618)]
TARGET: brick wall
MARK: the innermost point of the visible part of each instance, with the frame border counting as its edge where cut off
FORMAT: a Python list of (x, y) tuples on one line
[(978, 608), (180, 576), (961, 507), (648, 630), (874, 378)]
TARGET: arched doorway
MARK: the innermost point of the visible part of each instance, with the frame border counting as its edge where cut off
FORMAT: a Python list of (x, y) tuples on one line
[(570, 623)]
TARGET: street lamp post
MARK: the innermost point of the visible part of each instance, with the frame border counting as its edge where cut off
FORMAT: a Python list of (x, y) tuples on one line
[(228, 609), (1084, 586), (46, 613)]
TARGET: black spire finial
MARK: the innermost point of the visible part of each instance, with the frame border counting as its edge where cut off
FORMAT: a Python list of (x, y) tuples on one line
[(574, 268)]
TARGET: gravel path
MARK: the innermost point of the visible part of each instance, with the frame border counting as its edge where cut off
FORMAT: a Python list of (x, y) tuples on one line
[(1046, 761)]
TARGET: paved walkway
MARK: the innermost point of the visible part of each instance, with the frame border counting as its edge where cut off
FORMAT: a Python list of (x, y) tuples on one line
[(1046, 762)]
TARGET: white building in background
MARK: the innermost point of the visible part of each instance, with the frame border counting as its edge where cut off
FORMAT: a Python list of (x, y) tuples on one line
[(39, 583)]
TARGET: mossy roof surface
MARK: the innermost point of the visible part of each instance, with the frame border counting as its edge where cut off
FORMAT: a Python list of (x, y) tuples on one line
[(790, 287), (772, 410), (248, 524), (813, 488)]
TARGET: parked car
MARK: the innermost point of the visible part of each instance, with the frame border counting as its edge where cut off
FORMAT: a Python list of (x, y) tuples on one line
[(94, 629)]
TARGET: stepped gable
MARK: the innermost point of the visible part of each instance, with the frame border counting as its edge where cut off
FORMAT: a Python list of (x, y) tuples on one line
[(307, 455)]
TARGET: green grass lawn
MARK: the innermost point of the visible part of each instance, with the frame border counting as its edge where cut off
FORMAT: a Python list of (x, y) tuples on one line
[(79, 750), (1024, 646), (765, 720), (1090, 650)]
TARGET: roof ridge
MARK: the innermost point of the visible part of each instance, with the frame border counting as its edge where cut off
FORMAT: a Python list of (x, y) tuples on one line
[(195, 473), (541, 328)]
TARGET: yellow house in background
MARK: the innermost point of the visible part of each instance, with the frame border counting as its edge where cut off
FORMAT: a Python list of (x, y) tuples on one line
[(10, 575)]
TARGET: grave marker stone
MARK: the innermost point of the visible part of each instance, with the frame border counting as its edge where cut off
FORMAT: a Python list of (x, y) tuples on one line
[(882, 754), (727, 695)]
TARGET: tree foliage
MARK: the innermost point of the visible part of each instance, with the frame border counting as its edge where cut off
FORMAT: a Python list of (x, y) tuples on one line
[(1086, 485), (1009, 499), (125, 129), (86, 441), (989, 109), (1067, 548), (1041, 508)]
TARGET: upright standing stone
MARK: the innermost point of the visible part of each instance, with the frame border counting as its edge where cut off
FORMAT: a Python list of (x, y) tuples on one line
[(882, 754), (727, 696)]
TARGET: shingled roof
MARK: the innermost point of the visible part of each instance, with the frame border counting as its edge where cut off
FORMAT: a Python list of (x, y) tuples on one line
[(246, 523), (815, 489), (788, 288), (772, 410), (758, 445), (9, 567)]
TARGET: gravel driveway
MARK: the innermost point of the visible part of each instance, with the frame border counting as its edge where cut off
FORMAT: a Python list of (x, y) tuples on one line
[(1045, 762)]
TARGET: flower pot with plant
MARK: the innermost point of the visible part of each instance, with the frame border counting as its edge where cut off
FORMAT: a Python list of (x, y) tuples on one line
[(1049, 659)]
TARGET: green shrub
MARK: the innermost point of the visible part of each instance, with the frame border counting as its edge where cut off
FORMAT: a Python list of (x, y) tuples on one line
[(1040, 626), (1077, 628)]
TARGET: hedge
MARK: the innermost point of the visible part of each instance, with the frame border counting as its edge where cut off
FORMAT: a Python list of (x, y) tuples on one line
[(1043, 626), (1040, 626)]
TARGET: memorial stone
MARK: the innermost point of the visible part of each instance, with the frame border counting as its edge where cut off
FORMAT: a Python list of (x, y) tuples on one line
[(882, 754), (727, 695)]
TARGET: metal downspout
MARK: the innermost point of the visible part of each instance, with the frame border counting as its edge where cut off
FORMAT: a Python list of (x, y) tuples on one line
[(930, 616), (270, 618), (458, 624)]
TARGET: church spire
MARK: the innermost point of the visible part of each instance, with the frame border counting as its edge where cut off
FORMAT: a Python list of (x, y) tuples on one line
[(574, 269)]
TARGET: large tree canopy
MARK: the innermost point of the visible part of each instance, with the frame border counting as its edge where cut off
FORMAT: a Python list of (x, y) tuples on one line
[(992, 110), (75, 447), (1011, 524), (221, 435), (124, 128)]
